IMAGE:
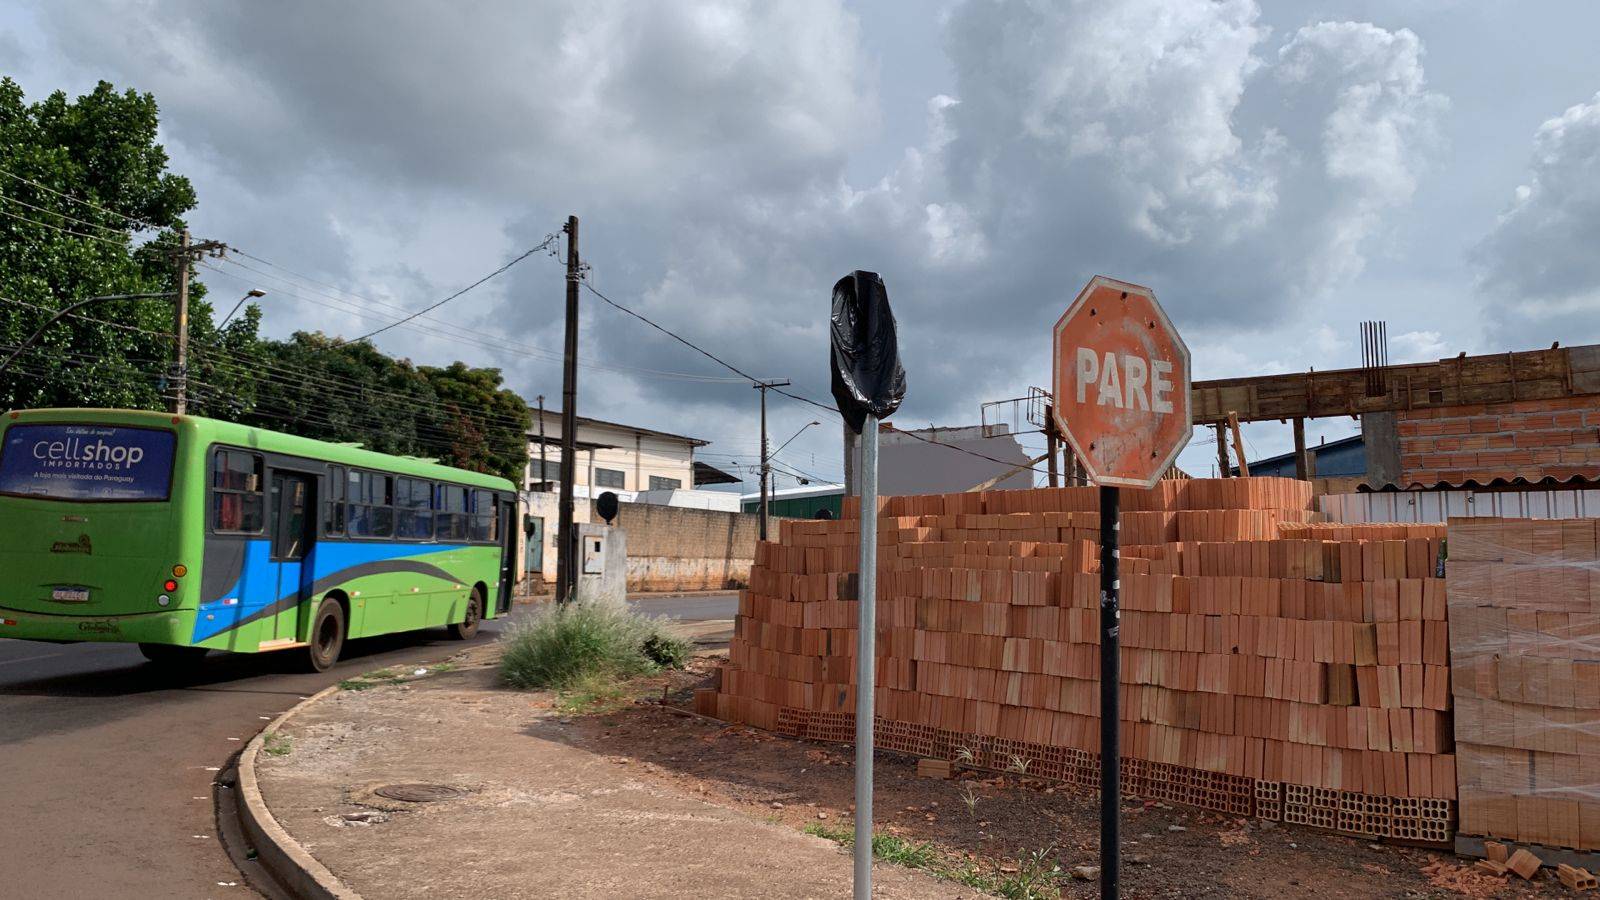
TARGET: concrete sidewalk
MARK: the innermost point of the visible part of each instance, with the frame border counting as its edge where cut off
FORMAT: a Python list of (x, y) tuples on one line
[(541, 816)]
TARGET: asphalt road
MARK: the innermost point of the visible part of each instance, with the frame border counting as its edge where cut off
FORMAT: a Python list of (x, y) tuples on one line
[(106, 763)]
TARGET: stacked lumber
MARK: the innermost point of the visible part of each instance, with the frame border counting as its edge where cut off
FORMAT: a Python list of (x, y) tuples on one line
[(1525, 639), (1269, 666)]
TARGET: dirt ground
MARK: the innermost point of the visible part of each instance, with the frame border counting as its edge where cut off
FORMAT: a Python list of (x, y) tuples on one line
[(1168, 850), (535, 761), (530, 811)]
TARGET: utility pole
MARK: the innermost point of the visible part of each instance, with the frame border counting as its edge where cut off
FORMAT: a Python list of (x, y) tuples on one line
[(1050, 444), (567, 543), (766, 464), (180, 328), (851, 442), (544, 468), (186, 255)]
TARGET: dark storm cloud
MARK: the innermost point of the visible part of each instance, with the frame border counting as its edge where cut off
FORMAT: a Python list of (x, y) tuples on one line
[(706, 147)]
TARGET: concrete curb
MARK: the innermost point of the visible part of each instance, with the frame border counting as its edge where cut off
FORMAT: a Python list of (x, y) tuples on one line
[(291, 864)]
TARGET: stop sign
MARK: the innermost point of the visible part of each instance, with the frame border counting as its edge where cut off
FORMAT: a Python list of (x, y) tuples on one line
[(1121, 382)]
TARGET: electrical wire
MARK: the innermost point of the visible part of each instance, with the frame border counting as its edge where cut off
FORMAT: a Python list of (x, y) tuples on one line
[(546, 243), (144, 225)]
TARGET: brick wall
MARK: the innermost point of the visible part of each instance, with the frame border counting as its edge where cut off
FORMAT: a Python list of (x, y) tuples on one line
[(1531, 439)]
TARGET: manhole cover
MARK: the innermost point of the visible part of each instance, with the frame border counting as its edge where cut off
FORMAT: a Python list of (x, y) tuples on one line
[(419, 793)]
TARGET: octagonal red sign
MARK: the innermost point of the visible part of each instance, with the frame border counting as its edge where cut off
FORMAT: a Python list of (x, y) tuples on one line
[(1121, 383)]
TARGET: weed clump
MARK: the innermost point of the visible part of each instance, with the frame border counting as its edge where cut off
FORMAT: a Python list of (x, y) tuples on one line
[(584, 642)]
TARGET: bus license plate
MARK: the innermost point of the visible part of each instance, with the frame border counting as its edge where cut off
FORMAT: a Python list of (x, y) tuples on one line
[(70, 595)]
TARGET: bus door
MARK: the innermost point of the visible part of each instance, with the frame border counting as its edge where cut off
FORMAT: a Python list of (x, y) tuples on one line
[(293, 524), (508, 554)]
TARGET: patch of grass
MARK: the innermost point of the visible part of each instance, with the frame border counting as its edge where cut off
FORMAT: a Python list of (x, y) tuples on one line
[(596, 692), (441, 667), (1037, 876), (371, 679), (565, 646), (277, 744), (887, 847)]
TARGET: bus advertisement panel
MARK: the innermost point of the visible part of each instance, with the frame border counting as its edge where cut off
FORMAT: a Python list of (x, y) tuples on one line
[(87, 462)]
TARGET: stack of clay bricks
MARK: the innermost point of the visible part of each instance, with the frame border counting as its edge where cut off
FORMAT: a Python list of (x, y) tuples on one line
[(1525, 640), (1531, 439), (1271, 664)]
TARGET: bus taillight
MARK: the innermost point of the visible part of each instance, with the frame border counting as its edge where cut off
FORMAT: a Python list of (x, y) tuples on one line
[(180, 570), (170, 586)]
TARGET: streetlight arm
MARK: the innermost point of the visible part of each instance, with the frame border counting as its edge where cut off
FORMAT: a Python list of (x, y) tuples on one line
[(58, 316), (791, 440)]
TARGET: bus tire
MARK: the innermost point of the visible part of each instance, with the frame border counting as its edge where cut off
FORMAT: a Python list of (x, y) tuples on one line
[(467, 628), (327, 636), (171, 654)]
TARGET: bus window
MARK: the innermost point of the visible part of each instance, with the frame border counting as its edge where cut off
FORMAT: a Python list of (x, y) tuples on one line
[(453, 517), (237, 501), (333, 507), (413, 500), (370, 510), (485, 516)]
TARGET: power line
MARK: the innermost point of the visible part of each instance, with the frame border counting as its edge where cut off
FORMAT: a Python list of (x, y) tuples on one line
[(122, 244), (548, 242), (451, 332), (143, 224), (704, 352)]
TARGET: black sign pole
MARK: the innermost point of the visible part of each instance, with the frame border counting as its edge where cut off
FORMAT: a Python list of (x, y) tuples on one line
[(1110, 708)]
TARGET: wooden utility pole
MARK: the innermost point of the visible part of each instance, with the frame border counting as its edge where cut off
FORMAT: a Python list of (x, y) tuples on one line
[(1050, 444), (766, 463), (1238, 445), (566, 537), (1222, 450), (180, 330), (1302, 464), (186, 254)]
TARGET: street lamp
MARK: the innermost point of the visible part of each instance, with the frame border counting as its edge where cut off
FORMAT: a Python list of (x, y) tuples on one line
[(791, 440), (766, 460), (254, 292), (80, 304)]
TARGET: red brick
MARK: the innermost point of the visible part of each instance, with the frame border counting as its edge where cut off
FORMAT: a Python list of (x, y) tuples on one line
[(1485, 425)]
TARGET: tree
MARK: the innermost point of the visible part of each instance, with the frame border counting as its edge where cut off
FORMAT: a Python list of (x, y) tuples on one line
[(487, 424), (88, 208), (315, 386)]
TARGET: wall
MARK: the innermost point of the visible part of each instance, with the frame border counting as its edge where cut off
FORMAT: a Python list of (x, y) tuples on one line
[(907, 465), (669, 548), (1531, 439), (676, 549)]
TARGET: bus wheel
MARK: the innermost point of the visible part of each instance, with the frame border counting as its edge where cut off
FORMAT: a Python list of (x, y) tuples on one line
[(171, 654), (327, 636), (467, 629)]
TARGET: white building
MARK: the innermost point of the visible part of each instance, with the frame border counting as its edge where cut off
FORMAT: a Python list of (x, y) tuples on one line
[(624, 459)]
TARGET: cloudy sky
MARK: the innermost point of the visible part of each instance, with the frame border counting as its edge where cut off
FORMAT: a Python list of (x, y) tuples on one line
[(1276, 173)]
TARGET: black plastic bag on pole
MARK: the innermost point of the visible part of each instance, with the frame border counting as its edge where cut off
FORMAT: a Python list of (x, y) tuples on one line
[(867, 375)]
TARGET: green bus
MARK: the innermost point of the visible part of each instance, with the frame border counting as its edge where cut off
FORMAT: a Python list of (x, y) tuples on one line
[(184, 534)]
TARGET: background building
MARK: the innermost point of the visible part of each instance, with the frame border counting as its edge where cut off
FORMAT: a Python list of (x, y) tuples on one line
[(623, 459)]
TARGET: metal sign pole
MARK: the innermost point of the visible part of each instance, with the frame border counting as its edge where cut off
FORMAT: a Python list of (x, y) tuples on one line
[(1110, 711), (866, 658)]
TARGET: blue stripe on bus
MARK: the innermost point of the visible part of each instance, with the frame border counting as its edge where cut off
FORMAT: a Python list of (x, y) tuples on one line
[(256, 591)]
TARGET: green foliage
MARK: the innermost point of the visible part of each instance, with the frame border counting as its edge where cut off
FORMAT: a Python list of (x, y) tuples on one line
[(99, 214), (99, 149), (1036, 876), (277, 744), (577, 645)]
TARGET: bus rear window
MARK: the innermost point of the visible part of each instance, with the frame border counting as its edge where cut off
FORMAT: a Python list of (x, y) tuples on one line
[(87, 462)]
